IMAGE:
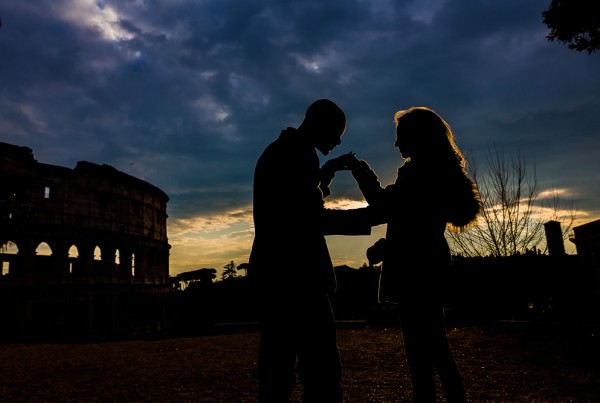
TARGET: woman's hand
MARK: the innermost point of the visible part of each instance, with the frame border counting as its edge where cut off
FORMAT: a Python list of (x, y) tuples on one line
[(341, 163)]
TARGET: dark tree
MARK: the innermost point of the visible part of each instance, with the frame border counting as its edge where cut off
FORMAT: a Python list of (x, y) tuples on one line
[(229, 271), (243, 266), (202, 275), (575, 23), (513, 215)]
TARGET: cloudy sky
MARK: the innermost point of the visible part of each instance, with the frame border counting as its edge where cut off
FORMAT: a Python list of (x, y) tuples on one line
[(185, 94)]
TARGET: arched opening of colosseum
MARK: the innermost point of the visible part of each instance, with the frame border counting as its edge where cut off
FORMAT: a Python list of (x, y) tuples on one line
[(43, 259), (78, 234), (117, 260), (73, 258), (43, 249), (98, 263), (97, 253), (9, 251)]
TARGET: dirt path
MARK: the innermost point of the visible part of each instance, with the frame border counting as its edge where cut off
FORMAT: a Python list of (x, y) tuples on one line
[(498, 364)]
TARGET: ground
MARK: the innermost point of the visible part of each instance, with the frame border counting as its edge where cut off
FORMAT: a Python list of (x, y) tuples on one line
[(504, 362)]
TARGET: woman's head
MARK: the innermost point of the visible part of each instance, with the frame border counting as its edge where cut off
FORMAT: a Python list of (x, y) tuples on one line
[(422, 134)]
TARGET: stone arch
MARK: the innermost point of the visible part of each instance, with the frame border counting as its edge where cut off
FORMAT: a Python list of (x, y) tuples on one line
[(10, 247), (123, 266), (43, 249), (97, 253), (73, 256), (116, 261), (44, 260), (8, 254), (133, 265), (100, 273)]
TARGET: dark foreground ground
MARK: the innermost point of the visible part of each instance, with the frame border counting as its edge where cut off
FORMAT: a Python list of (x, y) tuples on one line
[(501, 362)]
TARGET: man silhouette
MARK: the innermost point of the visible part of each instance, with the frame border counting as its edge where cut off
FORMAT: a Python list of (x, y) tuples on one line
[(290, 262)]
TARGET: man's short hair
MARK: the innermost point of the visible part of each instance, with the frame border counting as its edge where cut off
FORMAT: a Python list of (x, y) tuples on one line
[(325, 112)]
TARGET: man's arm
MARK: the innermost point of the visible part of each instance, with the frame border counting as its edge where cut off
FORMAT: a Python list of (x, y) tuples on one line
[(349, 222)]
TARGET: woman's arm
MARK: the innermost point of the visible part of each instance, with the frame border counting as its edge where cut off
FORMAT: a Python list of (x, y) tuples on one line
[(364, 176), (367, 181)]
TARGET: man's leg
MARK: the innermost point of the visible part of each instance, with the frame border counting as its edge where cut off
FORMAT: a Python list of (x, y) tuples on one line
[(319, 363), (276, 363)]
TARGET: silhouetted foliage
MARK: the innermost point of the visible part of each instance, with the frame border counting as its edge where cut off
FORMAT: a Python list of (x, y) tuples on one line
[(188, 278), (243, 266), (530, 287), (196, 308), (203, 275), (513, 215), (575, 23), (229, 271)]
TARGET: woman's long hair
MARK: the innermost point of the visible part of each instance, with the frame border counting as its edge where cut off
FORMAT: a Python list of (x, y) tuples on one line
[(433, 145), (430, 136)]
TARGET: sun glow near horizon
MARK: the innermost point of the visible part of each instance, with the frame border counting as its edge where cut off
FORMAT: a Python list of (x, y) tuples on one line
[(213, 240), (210, 240)]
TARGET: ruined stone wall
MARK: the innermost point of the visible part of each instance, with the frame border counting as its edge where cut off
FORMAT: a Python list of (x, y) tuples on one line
[(587, 240), (104, 234)]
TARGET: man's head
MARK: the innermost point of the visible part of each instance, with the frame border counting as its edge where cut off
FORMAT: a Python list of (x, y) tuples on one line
[(324, 123)]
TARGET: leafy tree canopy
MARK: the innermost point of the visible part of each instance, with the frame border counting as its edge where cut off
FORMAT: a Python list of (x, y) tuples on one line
[(207, 275), (575, 23), (229, 272)]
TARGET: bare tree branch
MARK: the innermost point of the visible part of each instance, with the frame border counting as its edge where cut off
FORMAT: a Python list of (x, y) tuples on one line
[(513, 216)]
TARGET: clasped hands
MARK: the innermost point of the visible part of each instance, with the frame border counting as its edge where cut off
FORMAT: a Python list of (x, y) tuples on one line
[(329, 168), (342, 163)]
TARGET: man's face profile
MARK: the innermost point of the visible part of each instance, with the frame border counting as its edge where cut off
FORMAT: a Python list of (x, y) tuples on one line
[(328, 140), (326, 124)]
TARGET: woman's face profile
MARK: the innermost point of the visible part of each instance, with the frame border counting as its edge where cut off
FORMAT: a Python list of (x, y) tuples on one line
[(403, 143)]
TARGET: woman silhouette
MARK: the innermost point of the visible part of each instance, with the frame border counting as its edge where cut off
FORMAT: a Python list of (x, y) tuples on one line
[(432, 191)]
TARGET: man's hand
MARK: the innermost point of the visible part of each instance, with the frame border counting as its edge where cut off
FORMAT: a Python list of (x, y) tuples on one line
[(376, 253), (341, 163)]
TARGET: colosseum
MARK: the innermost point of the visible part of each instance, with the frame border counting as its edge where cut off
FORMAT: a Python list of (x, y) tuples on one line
[(84, 251)]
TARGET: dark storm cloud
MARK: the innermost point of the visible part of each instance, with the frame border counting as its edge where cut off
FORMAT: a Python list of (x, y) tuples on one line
[(186, 94)]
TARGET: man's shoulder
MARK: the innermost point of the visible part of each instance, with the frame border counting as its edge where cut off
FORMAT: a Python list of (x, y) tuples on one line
[(289, 138), (289, 144)]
